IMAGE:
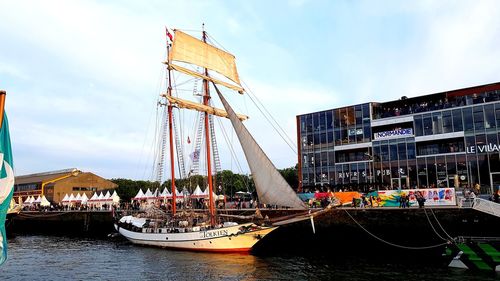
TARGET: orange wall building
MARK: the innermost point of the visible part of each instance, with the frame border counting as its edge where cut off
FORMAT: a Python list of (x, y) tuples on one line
[(54, 185)]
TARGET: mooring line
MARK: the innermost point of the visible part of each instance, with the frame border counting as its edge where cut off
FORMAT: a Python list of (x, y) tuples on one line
[(392, 244), (442, 228), (432, 226)]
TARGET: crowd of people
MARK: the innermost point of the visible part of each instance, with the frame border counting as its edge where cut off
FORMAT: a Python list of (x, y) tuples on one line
[(431, 105)]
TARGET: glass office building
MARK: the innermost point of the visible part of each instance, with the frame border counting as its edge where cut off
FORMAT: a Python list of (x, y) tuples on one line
[(448, 139)]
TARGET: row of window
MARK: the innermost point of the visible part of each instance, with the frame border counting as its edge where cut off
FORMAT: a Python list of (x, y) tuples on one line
[(476, 118), (76, 188), (433, 171)]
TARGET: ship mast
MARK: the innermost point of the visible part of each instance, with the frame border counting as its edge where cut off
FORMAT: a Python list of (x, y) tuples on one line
[(206, 100), (171, 141)]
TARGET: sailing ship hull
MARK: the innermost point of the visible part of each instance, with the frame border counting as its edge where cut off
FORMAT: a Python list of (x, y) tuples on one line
[(226, 239)]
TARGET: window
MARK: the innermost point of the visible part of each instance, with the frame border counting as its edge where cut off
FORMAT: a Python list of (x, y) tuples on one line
[(418, 125), (402, 151), (489, 114), (427, 123), (468, 121), (447, 122), (393, 151), (411, 150), (478, 118), (497, 113), (437, 123), (457, 120), (329, 120)]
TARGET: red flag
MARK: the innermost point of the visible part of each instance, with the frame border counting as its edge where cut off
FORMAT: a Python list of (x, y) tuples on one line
[(189, 141), (169, 35)]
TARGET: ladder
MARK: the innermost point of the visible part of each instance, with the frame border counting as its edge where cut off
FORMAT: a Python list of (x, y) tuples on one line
[(195, 168), (163, 146), (179, 149), (215, 150)]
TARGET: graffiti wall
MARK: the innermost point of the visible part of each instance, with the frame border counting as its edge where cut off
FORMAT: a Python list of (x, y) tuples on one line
[(433, 197)]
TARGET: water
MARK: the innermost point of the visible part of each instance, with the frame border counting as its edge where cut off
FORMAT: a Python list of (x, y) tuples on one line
[(60, 258)]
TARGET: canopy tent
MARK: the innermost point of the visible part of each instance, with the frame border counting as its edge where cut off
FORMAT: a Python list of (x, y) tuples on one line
[(139, 195), (84, 199), (165, 194), (107, 197), (148, 194), (207, 192), (44, 202), (78, 197), (185, 191), (115, 198), (38, 200), (71, 198), (93, 198), (197, 193)]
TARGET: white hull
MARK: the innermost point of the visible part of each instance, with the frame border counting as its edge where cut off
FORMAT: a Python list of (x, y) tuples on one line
[(224, 239)]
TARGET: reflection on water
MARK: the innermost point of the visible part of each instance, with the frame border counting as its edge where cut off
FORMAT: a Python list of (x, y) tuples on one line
[(58, 258)]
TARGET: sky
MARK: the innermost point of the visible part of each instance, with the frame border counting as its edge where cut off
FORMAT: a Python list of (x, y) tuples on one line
[(83, 77)]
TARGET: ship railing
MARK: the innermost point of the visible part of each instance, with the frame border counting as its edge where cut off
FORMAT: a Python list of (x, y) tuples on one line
[(463, 239), (464, 202)]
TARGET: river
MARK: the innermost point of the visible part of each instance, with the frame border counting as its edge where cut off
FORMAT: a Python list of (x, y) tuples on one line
[(62, 258)]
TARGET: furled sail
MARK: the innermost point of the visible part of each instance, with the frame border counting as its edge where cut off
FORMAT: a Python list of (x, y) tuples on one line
[(271, 187), (200, 107), (189, 49)]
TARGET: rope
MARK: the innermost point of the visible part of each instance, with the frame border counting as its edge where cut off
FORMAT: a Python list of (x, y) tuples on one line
[(392, 244), (444, 231), (45, 215), (281, 132), (233, 153), (432, 226)]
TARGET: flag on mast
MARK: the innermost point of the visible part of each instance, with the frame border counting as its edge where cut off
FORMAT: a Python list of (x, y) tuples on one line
[(6, 183), (169, 35)]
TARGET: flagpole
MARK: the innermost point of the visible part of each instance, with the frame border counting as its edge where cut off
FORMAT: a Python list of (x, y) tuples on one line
[(3, 93)]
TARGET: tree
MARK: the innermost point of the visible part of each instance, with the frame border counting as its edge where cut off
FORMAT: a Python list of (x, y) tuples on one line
[(291, 176)]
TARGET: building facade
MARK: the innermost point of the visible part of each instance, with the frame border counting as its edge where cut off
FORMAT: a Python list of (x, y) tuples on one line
[(55, 184), (448, 139)]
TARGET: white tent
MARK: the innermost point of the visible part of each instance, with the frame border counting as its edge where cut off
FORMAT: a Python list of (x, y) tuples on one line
[(71, 198), (100, 197), (107, 196), (148, 194), (65, 198), (44, 202), (32, 199), (38, 200), (115, 198), (139, 196), (170, 195), (78, 197), (197, 193), (84, 199), (179, 194), (164, 194), (207, 192), (93, 198), (27, 201)]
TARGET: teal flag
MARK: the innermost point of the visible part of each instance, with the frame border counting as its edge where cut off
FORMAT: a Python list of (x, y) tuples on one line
[(6, 183)]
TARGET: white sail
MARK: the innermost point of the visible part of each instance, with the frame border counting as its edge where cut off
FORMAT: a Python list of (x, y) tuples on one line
[(271, 187)]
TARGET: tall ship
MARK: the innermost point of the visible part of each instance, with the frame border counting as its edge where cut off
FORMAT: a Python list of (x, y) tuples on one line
[(199, 60)]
